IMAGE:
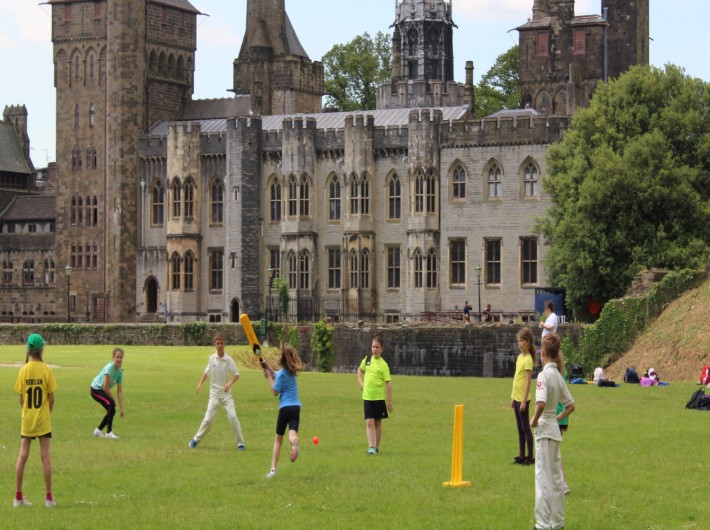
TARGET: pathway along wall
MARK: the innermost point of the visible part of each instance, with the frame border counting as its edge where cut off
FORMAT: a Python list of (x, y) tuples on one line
[(479, 351)]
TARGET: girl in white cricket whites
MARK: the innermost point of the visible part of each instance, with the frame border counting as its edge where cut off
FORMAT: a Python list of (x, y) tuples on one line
[(223, 374), (285, 386), (110, 376), (549, 479)]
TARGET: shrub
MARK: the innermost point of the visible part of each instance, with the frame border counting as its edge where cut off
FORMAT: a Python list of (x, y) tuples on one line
[(322, 346)]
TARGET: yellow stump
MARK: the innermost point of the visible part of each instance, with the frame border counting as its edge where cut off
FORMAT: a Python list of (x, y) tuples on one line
[(457, 452)]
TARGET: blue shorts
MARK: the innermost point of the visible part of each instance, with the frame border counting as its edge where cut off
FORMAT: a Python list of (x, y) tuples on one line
[(375, 409), (290, 416)]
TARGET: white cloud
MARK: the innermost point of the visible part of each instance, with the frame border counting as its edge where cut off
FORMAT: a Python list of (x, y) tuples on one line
[(513, 11)]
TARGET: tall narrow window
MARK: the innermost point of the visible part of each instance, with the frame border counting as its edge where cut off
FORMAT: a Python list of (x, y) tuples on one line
[(334, 199), (431, 193), (304, 270), (72, 255), (275, 200), (394, 200), (418, 269), (28, 272), (354, 195), (528, 260), (216, 269), (543, 44), (458, 180), (87, 256), (88, 211), (494, 181), (432, 269), (77, 65), (365, 269), (177, 202), (49, 272), (92, 63), (493, 261), (292, 196), (457, 259), (95, 216), (419, 192), (531, 180), (73, 211), (334, 268), (393, 267), (92, 112), (580, 41), (80, 211), (7, 272), (365, 195), (305, 197), (189, 199), (95, 256), (217, 202), (354, 270), (158, 207), (292, 270), (188, 273), (79, 256), (76, 116), (175, 266), (275, 259)]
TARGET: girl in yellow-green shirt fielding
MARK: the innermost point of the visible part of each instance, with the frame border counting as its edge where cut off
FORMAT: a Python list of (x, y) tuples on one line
[(373, 374), (36, 385), (520, 397)]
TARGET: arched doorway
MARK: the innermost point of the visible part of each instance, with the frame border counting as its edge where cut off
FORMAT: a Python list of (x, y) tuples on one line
[(234, 311), (151, 295)]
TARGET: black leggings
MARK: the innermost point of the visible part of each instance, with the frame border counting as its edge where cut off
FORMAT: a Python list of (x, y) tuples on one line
[(524, 430), (109, 404)]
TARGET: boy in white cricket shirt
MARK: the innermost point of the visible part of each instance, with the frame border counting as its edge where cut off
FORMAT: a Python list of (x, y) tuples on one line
[(223, 374), (549, 479)]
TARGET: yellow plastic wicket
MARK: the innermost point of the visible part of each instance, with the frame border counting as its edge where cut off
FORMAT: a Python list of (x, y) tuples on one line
[(457, 452)]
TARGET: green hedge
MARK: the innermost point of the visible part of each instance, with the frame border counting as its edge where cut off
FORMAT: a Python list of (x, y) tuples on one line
[(622, 320)]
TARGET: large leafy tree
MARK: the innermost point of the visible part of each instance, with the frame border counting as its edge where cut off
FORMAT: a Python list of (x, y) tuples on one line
[(353, 71), (499, 88), (630, 185)]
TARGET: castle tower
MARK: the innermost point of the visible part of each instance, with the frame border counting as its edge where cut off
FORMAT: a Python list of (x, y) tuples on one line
[(423, 58), (272, 65), (628, 37), (17, 115), (563, 57), (120, 66)]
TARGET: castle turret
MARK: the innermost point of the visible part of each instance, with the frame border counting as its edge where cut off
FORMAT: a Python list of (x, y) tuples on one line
[(422, 57), (17, 115), (272, 65)]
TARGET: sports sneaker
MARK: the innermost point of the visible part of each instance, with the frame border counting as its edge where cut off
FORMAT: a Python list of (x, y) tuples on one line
[(566, 489), (241, 447), (371, 451), (530, 461), (193, 443), (271, 474), (20, 502), (50, 504), (98, 433), (111, 435), (294, 453), (377, 451)]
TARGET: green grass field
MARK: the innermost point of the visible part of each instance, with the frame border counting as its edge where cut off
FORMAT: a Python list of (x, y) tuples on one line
[(634, 457)]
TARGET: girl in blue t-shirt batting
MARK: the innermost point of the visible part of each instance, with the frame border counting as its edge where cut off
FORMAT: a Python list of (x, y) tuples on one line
[(110, 376), (285, 386)]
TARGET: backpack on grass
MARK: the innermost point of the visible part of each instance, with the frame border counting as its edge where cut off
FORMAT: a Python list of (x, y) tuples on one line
[(631, 376), (695, 399)]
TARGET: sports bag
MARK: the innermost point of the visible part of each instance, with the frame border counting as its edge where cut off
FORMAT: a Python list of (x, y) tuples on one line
[(631, 376), (695, 399)]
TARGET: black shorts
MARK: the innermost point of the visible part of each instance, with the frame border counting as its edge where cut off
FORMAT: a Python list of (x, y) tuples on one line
[(290, 416), (48, 435), (375, 409)]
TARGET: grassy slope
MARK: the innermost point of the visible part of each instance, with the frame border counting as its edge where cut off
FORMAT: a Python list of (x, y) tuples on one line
[(677, 344)]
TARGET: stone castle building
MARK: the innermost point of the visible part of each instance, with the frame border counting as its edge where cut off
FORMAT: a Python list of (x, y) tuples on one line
[(180, 209)]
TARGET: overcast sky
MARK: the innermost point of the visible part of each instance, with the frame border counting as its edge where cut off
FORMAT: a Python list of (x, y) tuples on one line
[(678, 31)]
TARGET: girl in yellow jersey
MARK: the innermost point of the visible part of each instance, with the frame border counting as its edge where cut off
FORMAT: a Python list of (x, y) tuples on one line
[(36, 385)]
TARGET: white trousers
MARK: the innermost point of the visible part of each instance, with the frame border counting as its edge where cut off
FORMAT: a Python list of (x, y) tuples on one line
[(549, 485), (214, 404)]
